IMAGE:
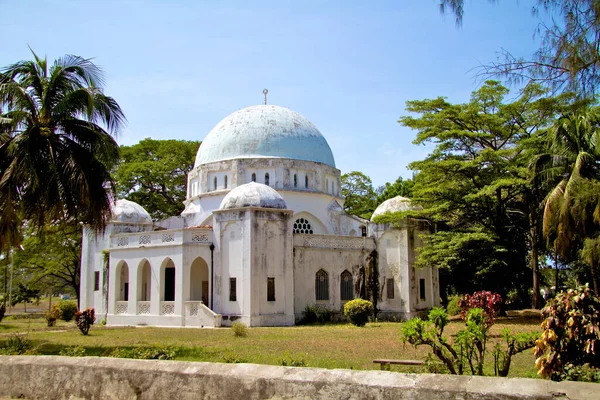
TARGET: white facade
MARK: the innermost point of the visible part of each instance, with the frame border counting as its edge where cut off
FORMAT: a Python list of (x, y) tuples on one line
[(263, 235)]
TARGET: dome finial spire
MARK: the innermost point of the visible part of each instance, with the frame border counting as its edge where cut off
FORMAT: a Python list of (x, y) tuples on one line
[(265, 91)]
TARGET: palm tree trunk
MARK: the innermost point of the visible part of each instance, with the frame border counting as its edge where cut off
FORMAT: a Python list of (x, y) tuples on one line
[(594, 277), (536, 301)]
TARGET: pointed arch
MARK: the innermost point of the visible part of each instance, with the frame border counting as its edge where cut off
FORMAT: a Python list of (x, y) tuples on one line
[(199, 290), (321, 285), (346, 286), (122, 281), (167, 280)]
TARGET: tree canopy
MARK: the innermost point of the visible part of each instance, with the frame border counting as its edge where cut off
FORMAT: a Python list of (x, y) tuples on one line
[(56, 144), (475, 181), (153, 173), (568, 58)]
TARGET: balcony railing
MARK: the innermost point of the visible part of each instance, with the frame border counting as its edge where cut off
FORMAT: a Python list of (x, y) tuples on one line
[(200, 236), (167, 308), (143, 307), (122, 307)]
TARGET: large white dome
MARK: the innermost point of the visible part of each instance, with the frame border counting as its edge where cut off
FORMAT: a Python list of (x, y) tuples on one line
[(265, 131), (395, 204)]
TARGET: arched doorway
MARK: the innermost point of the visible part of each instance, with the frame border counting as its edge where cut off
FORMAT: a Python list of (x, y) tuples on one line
[(199, 281), (144, 280), (122, 274), (168, 280)]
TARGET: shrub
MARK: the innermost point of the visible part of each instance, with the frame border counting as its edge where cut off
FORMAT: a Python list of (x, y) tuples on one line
[(315, 314), (73, 351), (570, 344), (2, 311), (487, 301), (145, 353), (15, 345), (289, 360), (239, 329), (67, 310), (358, 311), (52, 316), (453, 308), (85, 319), (232, 358), (469, 346)]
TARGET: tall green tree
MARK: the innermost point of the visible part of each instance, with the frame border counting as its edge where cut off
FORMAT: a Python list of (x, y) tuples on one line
[(401, 187), (568, 57), (571, 220), (57, 146), (361, 199), (153, 173), (474, 183), (52, 261)]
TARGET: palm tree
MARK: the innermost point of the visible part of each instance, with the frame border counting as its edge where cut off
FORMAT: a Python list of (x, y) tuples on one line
[(56, 145), (571, 217)]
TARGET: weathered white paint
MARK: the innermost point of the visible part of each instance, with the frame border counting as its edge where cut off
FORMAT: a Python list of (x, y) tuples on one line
[(245, 230)]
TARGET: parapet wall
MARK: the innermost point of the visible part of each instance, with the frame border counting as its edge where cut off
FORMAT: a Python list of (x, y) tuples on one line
[(53, 377)]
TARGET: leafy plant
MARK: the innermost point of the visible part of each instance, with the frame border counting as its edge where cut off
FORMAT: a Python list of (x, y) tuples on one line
[(453, 308), (52, 316), (358, 311), (485, 300), (571, 337), (73, 351), (293, 360), (85, 319), (145, 353), (232, 358), (2, 312), (67, 309), (315, 314), (513, 344), (16, 344), (239, 329)]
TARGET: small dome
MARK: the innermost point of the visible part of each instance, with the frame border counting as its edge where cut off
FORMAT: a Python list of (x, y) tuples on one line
[(130, 212), (264, 131), (253, 195), (394, 204)]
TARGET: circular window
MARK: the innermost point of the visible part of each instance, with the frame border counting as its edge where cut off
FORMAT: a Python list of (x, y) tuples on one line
[(302, 226)]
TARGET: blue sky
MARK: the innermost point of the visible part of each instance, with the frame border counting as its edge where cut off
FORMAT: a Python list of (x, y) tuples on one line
[(178, 67)]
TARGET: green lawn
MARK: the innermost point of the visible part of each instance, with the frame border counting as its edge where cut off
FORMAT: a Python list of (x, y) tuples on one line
[(327, 346)]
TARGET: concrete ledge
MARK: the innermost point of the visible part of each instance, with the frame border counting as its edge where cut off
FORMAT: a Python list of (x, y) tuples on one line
[(53, 377)]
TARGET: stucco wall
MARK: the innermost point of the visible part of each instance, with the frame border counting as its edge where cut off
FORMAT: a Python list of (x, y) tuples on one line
[(52, 377)]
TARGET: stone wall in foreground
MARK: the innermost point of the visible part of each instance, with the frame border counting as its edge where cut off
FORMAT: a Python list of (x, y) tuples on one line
[(52, 377)]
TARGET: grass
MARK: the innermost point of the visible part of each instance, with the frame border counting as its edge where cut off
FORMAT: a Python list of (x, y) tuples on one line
[(324, 346)]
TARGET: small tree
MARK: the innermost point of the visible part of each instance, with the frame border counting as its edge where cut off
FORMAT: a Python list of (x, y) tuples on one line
[(85, 319), (571, 337), (358, 311)]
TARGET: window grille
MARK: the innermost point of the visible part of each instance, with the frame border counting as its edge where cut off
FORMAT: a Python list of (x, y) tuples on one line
[(322, 285), (232, 290), (346, 286), (390, 288), (270, 289), (303, 226), (363, 230)]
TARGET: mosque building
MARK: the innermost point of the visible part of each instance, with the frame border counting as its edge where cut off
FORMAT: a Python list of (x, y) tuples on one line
[(263, 235)]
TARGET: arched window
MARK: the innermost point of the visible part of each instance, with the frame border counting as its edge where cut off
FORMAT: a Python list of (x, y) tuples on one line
[(322, 285), (253, 177), (346, 286), (306, 181), (267, 179), (327, 185), (225, 182), (302, 226), (295, 180), (215, 183), (363, 231)]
